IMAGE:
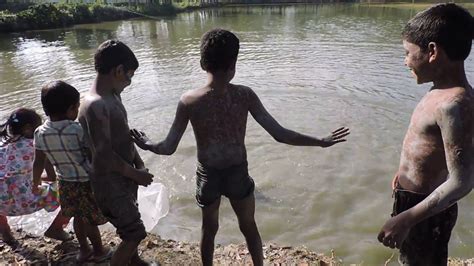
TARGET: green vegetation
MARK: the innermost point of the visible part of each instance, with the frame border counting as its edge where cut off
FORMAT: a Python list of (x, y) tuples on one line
[(44, 16)]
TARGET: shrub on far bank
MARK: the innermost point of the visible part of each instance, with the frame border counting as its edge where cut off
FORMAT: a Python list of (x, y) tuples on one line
[(45, 16)]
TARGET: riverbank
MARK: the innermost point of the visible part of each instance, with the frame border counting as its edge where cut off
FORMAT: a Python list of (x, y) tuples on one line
[(47, 16), (40, 250)]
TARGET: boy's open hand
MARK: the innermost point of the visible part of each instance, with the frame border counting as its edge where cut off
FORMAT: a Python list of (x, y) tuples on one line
[(335, 137), (141, 139)]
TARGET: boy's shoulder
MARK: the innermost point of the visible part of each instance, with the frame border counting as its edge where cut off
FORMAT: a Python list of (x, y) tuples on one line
[(93, 102), (192, 96), (455, 101), (63, 126)]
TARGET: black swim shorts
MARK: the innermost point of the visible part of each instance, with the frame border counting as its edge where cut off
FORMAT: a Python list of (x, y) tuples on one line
[(427, 242), (233, 182), (117, 199)]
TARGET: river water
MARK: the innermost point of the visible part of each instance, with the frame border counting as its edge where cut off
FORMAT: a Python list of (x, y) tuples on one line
[(315, 68)]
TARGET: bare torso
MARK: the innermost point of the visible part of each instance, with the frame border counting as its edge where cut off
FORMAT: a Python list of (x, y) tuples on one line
[(117, 132), (423, 164), (219, 119)]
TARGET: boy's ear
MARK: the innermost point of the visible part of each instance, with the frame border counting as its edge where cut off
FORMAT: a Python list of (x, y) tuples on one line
[(433, 51), (120, 70)]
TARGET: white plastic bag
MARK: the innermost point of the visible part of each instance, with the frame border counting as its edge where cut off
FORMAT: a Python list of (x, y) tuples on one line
[(35, 223), (153, 204)]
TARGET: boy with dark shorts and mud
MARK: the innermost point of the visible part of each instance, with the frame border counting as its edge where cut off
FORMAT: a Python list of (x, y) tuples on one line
[(117, 169), (436, 160), (218, 113), (61, 141)]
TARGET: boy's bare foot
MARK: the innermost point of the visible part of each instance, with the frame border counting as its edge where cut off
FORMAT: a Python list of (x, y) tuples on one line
[(10, 240), (106, 254), (137, 261), (60, 235), (84, 255)]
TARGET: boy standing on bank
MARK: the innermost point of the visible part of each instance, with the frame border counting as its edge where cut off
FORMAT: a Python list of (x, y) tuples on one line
[(117, 168), (218, 114), (436, 160)]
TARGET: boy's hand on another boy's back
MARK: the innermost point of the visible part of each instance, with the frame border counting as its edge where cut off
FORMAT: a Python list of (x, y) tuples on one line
[(335, 137)]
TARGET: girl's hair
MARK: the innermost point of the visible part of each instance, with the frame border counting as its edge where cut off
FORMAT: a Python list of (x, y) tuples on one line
[(18, 119)]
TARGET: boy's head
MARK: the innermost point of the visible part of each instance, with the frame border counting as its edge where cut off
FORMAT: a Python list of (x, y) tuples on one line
[(60, 100), (450, 26), (219, 50), (115, 58), (435, 39)]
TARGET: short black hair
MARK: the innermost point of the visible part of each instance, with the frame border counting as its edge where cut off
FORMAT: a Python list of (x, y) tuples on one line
[(448, 25), (57, 96), (113, 53), (219, 50)]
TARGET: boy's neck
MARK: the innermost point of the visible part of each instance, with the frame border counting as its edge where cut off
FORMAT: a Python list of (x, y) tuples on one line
[(104, 85), (451, 75), (56, 118), (217, 81)]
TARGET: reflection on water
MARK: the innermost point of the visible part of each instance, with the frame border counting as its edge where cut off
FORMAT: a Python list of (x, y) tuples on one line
[(315, 67)]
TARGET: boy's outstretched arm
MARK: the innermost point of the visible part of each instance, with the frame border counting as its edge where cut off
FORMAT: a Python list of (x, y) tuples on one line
[(456, 131), (105, 160), (284, 135), (170, 144)]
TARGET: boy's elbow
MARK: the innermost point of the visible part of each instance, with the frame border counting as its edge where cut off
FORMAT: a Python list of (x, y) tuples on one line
[(279, 139), (165, 149)]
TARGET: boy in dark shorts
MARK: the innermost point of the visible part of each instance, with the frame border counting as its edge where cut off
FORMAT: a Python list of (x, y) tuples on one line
[(218, 114), (61, 140), (117, 169), (436, 161)]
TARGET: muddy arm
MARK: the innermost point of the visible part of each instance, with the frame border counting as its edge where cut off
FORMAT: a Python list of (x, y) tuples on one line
[(456, 130), (287, 136), (170, 144)]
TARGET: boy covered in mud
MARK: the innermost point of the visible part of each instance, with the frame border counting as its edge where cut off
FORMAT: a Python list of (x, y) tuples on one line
[(117, 168), (436, 159), (218, 114)]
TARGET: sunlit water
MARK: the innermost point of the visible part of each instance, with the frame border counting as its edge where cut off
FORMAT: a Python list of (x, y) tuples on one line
[(314, 67)]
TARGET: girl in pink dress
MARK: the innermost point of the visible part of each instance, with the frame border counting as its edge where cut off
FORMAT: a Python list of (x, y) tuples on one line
[(16, 165)]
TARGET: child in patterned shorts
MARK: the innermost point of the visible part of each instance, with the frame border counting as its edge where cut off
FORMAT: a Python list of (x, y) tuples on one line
[(61, 140)]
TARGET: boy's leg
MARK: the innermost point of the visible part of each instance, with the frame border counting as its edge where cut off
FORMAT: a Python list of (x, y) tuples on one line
[(56, 229), (6, 231), (210, 225), (124, 252), (137, 261), (245, 210), (93, 234), (80, 230)]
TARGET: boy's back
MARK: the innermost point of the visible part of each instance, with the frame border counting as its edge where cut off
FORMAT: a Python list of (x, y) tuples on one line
[(219, 119)]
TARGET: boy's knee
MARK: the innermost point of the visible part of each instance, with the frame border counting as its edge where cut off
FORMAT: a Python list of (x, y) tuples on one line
[(210, 228), (247, 226)]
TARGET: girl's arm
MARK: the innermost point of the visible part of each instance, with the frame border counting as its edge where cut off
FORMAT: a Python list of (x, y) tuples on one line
[(38, 167)]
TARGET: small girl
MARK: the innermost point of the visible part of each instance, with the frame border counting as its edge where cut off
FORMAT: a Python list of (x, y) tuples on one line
[(16, 180)]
